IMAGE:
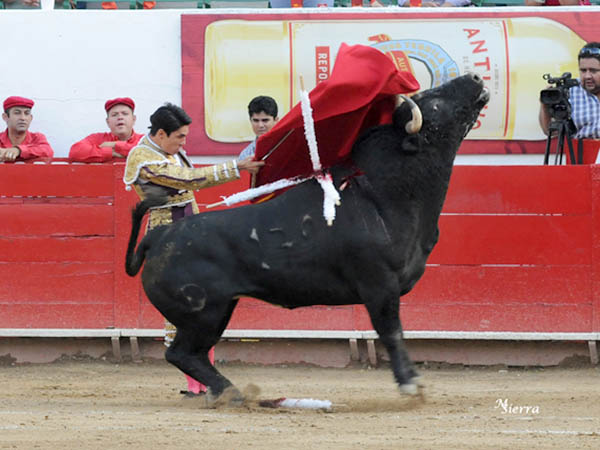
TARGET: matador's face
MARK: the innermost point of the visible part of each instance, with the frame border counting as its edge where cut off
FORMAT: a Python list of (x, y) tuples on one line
[(173, 142)]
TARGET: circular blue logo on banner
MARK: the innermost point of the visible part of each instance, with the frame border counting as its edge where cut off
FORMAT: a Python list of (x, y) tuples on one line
[(440, 66)]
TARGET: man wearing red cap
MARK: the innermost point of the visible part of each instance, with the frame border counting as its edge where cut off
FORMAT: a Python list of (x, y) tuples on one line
[(101, 147), (17, 142)]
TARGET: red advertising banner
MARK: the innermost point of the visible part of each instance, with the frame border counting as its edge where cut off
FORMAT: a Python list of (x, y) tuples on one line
[(227, 59)]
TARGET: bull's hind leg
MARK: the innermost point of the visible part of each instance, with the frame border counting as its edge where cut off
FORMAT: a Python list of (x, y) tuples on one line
[(386, 321), (189, 350), (189, 353)]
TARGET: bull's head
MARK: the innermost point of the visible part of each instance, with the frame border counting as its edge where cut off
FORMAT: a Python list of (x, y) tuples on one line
[(448, 113)]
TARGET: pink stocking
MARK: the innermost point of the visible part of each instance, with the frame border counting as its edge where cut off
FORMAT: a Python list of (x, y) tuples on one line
[(195, 386)]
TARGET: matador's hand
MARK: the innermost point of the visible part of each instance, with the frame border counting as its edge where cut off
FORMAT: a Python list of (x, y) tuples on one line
[(250, 165)]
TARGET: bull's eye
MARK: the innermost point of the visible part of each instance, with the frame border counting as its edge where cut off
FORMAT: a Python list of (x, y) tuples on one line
[(435, 107)]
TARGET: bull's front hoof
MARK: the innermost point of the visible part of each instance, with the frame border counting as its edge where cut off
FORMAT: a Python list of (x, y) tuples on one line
[(231, 396), (409, 388)]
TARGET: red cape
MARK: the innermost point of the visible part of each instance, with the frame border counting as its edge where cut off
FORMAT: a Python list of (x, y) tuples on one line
[(359, 94)]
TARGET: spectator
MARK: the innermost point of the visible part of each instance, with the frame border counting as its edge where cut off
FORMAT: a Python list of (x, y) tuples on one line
[(434, 3), (159, 163), (21, 4), (555, 2), (113, 5), (585, 98), (262, 111), (101, 147), (300, 3), (17, 142)]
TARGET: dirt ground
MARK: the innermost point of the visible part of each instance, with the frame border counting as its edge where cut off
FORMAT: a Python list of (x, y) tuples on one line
[(100, 405)]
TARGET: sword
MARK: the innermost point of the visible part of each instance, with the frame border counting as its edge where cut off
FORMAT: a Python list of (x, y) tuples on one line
[(253, 179)]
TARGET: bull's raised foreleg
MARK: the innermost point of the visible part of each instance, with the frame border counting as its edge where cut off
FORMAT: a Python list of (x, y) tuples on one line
[(386, 321)]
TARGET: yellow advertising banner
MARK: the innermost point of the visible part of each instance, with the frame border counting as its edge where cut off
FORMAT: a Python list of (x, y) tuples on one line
[(245, 56)]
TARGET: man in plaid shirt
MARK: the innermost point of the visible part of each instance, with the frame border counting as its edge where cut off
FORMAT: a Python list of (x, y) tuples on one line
[(585, 98)]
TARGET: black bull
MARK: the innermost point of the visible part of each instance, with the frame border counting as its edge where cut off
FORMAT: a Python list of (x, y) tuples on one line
[(283, 252)]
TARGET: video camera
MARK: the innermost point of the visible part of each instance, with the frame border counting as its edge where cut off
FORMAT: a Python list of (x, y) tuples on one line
[(557, 97)]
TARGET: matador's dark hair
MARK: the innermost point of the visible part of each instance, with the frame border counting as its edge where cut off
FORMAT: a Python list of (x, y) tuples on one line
[(168, 117)]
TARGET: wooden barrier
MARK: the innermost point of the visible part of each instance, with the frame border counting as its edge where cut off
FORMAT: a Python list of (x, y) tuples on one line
[(518, 258)]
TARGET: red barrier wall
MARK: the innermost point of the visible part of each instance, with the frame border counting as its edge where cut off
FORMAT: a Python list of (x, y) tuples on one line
[(518, 252)]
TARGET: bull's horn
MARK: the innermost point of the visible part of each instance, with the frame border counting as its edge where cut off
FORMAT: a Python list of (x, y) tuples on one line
[(414, 126)]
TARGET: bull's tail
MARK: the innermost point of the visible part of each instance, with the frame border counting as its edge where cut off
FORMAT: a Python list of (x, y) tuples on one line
[(135, 257)]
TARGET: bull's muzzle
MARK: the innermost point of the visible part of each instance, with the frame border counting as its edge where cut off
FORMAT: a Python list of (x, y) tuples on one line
[(414, 126)]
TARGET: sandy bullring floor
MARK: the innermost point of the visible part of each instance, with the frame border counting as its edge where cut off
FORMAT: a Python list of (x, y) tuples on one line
[(99, 405)]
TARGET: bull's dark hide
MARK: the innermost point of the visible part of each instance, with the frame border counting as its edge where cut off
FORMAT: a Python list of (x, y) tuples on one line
[(283, 252)]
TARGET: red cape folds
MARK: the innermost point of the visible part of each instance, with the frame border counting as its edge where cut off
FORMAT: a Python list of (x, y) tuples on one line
[(359, 94)]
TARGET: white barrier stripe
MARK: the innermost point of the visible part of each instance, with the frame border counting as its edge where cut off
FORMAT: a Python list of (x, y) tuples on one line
[(59, 332), (317, 334)]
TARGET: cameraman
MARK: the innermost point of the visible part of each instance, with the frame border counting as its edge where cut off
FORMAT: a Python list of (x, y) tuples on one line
[(585, 98)]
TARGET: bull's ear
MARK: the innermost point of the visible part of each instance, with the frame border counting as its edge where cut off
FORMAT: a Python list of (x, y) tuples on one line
[(402, 115), (411, 143)]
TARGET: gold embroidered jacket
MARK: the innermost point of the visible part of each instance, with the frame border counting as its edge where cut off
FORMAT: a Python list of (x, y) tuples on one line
[(148, 167)]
